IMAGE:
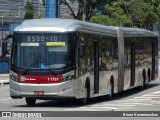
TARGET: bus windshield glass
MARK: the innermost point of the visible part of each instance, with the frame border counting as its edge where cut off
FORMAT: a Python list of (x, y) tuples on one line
[(42, 50)]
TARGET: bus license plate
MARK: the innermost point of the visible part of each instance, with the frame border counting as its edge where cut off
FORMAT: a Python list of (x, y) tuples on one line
[(38, 92)]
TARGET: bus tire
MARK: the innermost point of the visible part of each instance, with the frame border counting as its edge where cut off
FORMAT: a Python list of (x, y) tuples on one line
[(84, 100), (149, 75), (110, 90), (30, 101), (143, 85)]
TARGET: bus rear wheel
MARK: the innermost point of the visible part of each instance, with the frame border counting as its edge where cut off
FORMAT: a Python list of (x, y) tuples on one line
[(143, 84), (84, 100), (30, 101), (110, 90)]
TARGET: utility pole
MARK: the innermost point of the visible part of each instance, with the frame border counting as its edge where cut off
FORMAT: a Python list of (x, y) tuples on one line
[(2, 29), (1, 33), (84, 11), (52, 8), (56, 8), (19, 11)]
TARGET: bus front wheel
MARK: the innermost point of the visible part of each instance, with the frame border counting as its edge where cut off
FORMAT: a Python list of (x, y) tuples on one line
[(84, 100), (30, 101)]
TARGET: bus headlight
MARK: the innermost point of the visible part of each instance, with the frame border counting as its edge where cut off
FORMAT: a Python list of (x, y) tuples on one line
[(66, 78), (63, 79), (14, 77)]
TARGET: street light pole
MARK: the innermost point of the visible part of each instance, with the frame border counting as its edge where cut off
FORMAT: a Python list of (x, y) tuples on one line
[(1, 34), (2, 29)]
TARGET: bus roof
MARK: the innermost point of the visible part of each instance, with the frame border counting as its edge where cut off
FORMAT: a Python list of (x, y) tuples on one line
[(129, 32), (68, 25)]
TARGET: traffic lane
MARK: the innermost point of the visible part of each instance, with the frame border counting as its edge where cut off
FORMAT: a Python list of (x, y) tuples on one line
[(152, 107), (48, 105), (7, 103), (4, 91), (62, 105), (152, 86)]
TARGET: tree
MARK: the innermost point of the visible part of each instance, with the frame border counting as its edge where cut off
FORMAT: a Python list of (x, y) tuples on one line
[(144, 13), (113, 15), (86, 8), (29, 9), (138, 13)]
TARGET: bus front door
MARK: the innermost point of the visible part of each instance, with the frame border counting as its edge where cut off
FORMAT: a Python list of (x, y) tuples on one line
[(132, 64), (153, 60), (96, 67)]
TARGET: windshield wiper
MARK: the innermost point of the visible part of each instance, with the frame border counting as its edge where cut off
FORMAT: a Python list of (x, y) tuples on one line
[(25, 70), (52, 70), (38, 60)]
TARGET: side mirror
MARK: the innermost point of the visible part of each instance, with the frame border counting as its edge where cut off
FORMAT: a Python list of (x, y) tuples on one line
[(82, 50), (4, 48), (9, 36), (4, 45)]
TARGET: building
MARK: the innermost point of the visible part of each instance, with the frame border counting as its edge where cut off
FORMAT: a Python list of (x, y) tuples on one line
[(11, 8), (39, 7), (65, 11), (17, 8), (11, 15)]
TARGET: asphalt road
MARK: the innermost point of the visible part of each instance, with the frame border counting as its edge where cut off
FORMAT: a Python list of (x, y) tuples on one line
[(129, 100), (125, 102)]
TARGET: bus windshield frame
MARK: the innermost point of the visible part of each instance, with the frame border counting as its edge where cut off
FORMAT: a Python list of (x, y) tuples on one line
[(38, 51)]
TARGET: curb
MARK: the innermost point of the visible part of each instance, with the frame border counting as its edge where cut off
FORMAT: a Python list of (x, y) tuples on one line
[(4, 82), (4, 79)]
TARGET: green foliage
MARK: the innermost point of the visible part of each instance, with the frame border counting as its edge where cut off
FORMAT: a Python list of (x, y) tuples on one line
[(132, 13), (143, 13), (29, 9), (113, 15), (103, 19), (139, 13)]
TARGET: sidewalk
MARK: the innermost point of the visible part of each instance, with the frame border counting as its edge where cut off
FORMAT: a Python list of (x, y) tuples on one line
[(4, 79)]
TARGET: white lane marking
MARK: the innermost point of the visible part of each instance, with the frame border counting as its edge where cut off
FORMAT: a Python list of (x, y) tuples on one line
[(155, 92), (151, 95), (103, 107), (147, 97), (155, 102), (6, 99), (111, 105), (143, 100), (86, 109), (139, 99), (133, 102), (100, 108)]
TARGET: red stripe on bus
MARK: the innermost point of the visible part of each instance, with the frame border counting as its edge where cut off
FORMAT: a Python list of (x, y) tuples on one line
[(35, 79)]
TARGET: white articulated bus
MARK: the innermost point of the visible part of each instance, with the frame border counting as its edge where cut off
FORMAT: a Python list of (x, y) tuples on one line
[(64, 58)]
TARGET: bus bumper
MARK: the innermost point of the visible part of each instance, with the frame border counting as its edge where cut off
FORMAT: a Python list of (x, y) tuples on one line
[(63, 89)]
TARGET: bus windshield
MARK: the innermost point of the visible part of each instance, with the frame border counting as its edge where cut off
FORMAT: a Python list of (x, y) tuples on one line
[(42, 50)]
